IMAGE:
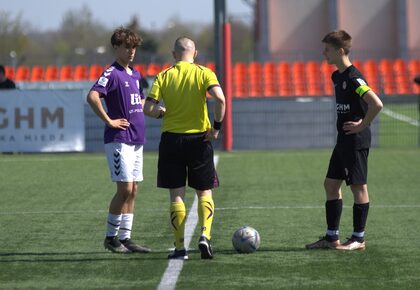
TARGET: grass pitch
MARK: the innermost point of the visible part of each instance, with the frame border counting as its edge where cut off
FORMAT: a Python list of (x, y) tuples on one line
[(53, 210)]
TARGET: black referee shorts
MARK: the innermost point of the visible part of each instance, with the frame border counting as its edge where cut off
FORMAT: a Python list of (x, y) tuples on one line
[(349, 165), (183, 156)]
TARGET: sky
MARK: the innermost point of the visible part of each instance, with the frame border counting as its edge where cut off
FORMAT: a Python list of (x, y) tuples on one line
[(153, 14)]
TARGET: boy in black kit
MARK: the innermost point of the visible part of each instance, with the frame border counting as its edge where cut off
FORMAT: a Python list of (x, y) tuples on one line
[(357, 105)]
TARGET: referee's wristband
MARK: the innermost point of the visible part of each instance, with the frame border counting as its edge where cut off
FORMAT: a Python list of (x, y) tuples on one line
[(217, 125)]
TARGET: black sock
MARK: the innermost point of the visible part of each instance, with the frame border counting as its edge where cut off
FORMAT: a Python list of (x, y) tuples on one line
[(360, 214), (333, 209)]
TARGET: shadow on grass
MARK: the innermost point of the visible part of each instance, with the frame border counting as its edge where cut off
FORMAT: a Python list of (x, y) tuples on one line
[(264, 250), (59, 257), (54, 257)]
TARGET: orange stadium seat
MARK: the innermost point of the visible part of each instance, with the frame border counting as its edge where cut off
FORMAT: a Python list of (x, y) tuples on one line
[(326, 82), (51, 73), (240, 80), (359, 65), (166, 65), (153, 69), (298, 79), (37, 74), (95, 71), (140, 68), (22, 73), (284, 77), (255, 79), (269, 75), (413, 67), (211, 65), (9, 72), (372, 74), (66, 73), (387, 76), (313, 78), (80, 73), (401, 77)]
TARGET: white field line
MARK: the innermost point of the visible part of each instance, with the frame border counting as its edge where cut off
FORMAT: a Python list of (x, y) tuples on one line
[(400, 117), (170, 277)]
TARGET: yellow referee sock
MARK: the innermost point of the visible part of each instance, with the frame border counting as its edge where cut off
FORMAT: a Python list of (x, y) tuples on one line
[(205, 214), (178, 214)]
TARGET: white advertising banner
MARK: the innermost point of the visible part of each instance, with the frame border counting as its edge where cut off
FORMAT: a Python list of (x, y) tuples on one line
[(41, 121)]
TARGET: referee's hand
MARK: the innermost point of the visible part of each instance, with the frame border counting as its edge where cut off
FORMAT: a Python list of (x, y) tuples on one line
[(212, 134)]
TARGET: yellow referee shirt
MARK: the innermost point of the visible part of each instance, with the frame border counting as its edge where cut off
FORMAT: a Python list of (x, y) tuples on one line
[(182, 88)]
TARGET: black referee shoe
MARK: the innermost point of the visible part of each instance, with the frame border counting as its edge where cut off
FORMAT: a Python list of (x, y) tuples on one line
[(205, 248), (178, 254)]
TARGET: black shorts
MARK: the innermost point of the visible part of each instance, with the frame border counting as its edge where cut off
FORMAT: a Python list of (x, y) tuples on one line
[(186, 155), (349, 165)]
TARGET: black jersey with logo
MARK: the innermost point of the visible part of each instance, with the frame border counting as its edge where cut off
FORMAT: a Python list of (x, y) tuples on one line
[(350, 86)]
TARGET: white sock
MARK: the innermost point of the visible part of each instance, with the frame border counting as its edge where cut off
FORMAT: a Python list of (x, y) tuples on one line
[(126, 225), (333, 232), (113, 224), (359, 234)]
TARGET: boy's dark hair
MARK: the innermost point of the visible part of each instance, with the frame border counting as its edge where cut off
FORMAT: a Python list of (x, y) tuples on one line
[(125, 36), (2, 69), (339, 39)]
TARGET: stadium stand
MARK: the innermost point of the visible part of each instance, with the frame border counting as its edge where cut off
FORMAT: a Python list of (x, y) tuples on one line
[(255, 79), (387, 76), (166, 65), (313, 78), (10, 72), (326, 72), (370, 69), (299, 78), (37, 74), (141, 68), (269, 76), (80, 72), (284, 79), (153, 69), (211, 65), (413, 68), (240, 88), (95, 72), (51, 73), (22, 74), (66, 73)]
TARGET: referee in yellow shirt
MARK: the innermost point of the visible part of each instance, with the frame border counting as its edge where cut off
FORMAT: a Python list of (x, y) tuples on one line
[(185, 149)]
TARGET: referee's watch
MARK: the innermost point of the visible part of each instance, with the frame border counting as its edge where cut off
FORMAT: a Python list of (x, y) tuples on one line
[(217, 125)]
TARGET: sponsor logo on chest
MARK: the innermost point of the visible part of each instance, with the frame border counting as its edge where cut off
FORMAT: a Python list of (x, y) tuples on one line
[(343, 108), (135, 99)]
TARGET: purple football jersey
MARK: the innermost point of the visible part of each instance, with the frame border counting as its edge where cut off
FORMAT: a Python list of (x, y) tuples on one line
[(123, 95)]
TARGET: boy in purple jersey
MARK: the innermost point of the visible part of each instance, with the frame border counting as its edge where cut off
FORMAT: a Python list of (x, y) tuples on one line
[(124, 137), (356, 105)]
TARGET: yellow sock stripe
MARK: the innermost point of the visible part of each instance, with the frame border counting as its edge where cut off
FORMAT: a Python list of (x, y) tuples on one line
[(178, 214), (211, 209)]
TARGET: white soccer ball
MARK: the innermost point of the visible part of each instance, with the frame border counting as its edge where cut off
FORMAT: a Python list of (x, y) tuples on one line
[(246, 240)]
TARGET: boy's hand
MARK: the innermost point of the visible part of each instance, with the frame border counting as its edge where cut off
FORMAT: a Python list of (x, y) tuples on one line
[(353, 127), (122, 124)]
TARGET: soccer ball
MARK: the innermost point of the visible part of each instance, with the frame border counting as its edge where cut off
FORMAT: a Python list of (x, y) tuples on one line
[(246, 240)]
